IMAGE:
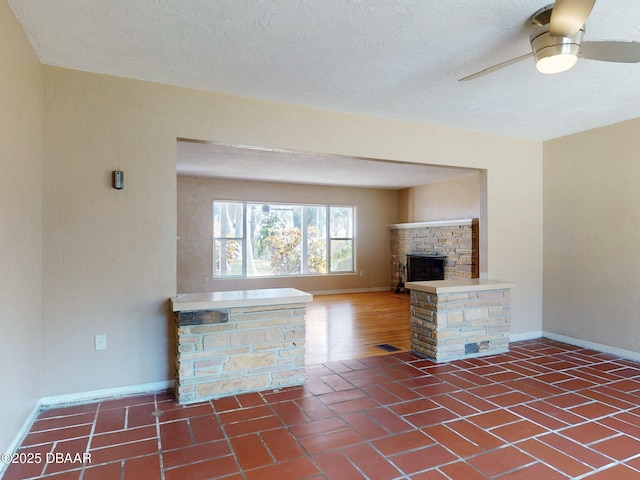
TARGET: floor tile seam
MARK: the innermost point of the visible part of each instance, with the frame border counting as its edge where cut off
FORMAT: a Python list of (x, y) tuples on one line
[(516, 469), (583, 445), (502, 441), (595, 372), (531, 403), (158, 436), (229, 436), (307, 453), (618, 435), (344, 453), (389, 458), (224, 424), (195, 462), (591, 468), (60, 472), (495, 427), (600, 417), (289, 427), (381, 404), (400, 400), (425, 470), (566, 425), (627, 460), (591, 444), (449, 477), (497, 406), (110, 445), (304, 412), (59, 417), (618, 432), (226, 438), (601, 469), (606, 383), (517, 446), (92, 433), (614, 416), (51, 430), (385, 407), (274, 460)]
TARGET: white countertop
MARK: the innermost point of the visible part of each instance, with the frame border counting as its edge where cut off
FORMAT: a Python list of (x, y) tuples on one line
[(238, 298), (458, 285)]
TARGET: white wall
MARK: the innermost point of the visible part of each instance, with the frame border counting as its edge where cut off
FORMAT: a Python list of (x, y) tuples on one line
[(110, 256), (375, 211), (592, 236), (20, 226)]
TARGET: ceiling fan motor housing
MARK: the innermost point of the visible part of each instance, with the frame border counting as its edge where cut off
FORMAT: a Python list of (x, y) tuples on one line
[(548, 48)]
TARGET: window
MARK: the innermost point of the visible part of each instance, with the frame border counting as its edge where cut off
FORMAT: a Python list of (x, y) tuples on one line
[(263, 240)]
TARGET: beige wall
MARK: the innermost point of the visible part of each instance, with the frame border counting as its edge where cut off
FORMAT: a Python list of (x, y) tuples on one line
[(447, 200), (20, 226), (110, 256), (375, 211), (592, 235)]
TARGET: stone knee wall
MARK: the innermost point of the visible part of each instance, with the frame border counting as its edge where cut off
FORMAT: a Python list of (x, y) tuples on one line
[(460, 325), (237, 350)]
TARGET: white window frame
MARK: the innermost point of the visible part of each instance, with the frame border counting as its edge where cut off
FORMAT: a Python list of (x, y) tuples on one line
[(245, 243)]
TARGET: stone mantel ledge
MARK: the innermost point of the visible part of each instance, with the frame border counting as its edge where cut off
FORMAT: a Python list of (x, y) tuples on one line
[(438, 223), (459, 285), (239, 298)]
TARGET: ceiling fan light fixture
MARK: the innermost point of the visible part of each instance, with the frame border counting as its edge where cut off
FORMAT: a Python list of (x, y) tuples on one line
[(555, 54), (555, 63)]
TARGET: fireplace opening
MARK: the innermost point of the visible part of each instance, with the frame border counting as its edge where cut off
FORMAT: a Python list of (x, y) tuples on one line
[(421, 268)]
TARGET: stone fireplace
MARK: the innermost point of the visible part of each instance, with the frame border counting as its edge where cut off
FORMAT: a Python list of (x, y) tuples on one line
[(457, 240)]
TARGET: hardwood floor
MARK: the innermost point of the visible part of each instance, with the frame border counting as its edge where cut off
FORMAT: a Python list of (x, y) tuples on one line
[(348, 326)]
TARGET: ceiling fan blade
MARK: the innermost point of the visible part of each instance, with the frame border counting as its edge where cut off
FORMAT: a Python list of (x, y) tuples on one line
[(568, 16), (623, 52), (495, 67)]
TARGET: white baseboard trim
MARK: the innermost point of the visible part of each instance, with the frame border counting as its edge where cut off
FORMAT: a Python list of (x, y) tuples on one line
[(577, 342), (351, 290), (94, 395), (600, 347), (517, 337)]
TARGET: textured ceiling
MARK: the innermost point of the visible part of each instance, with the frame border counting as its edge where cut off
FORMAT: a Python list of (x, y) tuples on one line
[(397, 59)]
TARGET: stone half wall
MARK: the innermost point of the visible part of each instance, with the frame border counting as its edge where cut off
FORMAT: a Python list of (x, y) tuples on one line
[(457, 239), (246, 349), (451, 326)]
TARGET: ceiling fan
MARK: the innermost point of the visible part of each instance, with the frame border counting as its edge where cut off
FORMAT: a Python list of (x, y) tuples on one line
[(556, 41)]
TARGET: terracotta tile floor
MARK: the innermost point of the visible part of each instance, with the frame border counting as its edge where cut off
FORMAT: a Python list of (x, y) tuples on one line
[(544, 411)]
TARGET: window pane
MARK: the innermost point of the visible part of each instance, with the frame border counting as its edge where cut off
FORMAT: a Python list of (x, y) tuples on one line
[(227, 256), (342, 255), (275, 239), (315, 256), (227, 220), (341, 222)]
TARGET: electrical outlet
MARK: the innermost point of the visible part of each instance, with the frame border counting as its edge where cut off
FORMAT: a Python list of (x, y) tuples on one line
[(101, 342)]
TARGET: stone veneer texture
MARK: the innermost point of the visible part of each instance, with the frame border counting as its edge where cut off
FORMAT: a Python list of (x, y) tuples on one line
[(460, 244), (451, 326), (230, 351)]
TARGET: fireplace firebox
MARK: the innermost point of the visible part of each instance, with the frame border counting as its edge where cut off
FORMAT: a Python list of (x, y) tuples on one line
[(425, 267)]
